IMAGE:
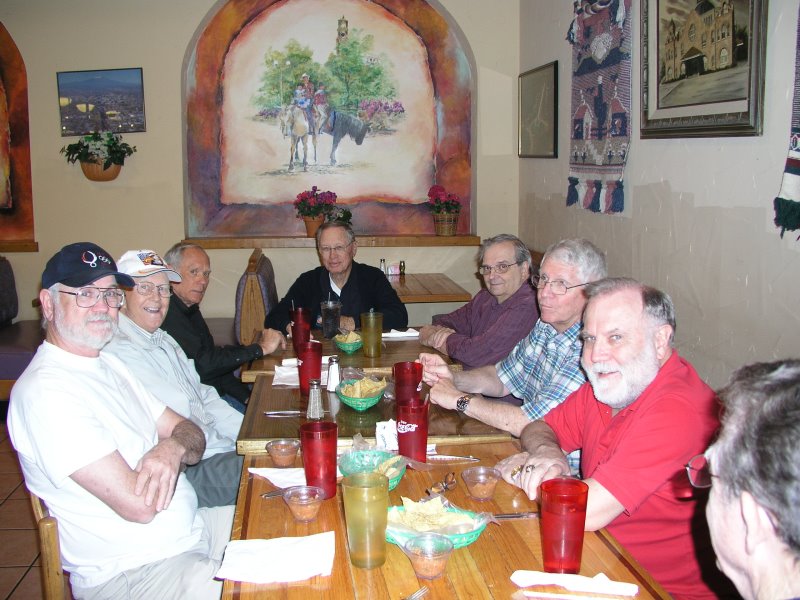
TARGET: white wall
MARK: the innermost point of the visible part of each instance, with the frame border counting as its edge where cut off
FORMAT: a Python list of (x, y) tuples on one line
[(144, 206), (698, 218)]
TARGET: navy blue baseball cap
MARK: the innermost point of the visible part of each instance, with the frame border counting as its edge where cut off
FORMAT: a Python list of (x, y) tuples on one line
[(80, 264)]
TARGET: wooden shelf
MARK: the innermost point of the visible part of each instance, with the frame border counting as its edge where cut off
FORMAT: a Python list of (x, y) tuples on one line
[(363, 241), (19, 246)]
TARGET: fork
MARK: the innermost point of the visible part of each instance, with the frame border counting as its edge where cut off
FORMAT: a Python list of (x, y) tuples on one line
[(418, 594)]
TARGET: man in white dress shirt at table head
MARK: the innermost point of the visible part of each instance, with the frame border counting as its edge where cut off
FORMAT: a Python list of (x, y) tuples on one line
[(106, 456), (543, 368), (159, 362), (753, 470)]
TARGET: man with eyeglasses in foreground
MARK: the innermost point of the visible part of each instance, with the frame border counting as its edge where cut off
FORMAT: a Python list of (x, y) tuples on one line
[(542, 369), (160, 363), (359, 287), (105, 455), (753, 470), (487, 328), (644, 413), (185, 323)]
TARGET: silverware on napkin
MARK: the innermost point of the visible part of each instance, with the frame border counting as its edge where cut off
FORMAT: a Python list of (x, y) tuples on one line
[(517, 515), (449, 458)]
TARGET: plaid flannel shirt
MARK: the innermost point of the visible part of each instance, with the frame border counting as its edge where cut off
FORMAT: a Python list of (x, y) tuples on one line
[(543, 369)]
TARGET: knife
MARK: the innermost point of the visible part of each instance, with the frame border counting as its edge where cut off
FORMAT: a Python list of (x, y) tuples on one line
[(282, 413), (517, 515), (449, 458)]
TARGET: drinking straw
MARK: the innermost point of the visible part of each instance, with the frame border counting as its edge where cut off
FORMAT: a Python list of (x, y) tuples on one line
[(292, 303)]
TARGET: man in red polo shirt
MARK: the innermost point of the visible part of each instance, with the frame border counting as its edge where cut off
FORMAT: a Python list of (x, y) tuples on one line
[(643, 414)]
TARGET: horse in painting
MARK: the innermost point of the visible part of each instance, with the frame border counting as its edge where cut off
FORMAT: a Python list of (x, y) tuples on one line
[(339, 124), (294, 125)]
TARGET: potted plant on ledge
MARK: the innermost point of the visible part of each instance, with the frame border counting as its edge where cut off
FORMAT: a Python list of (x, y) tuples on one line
[(314, 206), (446, 208), (101, 154)]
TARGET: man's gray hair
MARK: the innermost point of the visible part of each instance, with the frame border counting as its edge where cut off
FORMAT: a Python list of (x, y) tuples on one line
[(348, 230), (657, 305), (521, 252), (53, 291), (757, 450), (581, 254), (174, 256)]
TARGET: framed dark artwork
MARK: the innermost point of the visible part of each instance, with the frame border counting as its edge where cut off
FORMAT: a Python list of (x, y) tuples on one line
[(703, 68), (538, 112), (369, 99), (101, 100)]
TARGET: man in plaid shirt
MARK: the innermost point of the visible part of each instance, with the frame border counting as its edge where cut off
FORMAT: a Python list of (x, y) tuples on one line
[(544, 367)]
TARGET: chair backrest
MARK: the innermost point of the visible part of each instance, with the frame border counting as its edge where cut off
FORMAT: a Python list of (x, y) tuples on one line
[(53, 580), (9, 304), (256, 295)]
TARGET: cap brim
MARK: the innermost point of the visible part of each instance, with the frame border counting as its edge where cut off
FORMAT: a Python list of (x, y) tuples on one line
[(173, 276), (87, 278)]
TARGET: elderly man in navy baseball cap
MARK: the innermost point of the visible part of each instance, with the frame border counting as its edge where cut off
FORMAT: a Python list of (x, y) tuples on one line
[(80, 264)]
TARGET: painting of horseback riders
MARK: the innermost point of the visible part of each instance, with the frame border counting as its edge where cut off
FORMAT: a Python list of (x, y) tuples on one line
[(340, 95)]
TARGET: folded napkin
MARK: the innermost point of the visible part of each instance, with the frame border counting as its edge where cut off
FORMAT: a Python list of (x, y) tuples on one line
[(292, 362), (599, 584), (289, 376), (281, 478), (279, 560), (386, 437), (399, 335)]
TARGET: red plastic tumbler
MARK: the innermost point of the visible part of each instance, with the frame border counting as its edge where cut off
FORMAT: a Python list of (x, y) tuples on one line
[(412, 428), (318, 444), (309, 364), (407, 377)]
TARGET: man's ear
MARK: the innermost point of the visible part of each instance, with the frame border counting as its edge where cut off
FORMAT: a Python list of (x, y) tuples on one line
[(46, 304), (662, 337), (355, 248), (757, 523)]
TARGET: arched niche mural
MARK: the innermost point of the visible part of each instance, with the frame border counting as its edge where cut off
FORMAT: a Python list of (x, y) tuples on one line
[(396, 65), (16, 198)]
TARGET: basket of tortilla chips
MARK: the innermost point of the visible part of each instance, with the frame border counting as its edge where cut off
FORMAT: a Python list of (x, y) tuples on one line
[(349, 342), (360, 394), (436, 516), (368, 460)]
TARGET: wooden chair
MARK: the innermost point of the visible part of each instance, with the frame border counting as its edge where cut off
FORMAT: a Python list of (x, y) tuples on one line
[(256, 295), (53, 580)]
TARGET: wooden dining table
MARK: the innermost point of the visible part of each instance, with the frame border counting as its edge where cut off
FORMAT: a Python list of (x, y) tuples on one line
[(444, 426), (427, 287), (481, 570)]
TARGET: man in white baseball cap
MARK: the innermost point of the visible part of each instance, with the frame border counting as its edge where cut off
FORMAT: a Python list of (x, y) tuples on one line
[(159, 362)]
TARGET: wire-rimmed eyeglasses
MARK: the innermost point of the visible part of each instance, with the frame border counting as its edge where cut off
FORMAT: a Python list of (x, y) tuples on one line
[(699, 472), (558, 287), (147, 289), (499, 268), (334, 249), (87, 297)]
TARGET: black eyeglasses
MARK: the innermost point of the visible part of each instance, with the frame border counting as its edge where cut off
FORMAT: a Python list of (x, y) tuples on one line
[(87, 297), (558, 287), (699, 472), (499, 268)]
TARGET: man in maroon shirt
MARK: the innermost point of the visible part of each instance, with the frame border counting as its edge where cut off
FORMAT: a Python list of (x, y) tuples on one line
[(486, 329), (643, 414)]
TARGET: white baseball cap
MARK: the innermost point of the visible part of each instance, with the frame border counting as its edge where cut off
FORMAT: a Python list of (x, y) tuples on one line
[(141, 263)]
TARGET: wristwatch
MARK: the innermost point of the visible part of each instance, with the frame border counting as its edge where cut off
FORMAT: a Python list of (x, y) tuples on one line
[(463, 402)]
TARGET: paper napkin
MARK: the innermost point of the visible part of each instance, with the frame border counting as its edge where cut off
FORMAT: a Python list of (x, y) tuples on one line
[(289, 376), (394, 334), (279, 560), (292, 362), (281, 478), (599, 584)]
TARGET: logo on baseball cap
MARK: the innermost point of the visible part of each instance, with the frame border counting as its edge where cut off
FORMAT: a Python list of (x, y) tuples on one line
[(141, 263), (80, 264)]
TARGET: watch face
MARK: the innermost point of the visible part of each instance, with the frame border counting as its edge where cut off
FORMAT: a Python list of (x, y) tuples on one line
[(462, 403)]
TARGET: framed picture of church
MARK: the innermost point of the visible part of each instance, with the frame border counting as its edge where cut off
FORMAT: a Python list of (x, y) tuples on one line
[(702, 67)]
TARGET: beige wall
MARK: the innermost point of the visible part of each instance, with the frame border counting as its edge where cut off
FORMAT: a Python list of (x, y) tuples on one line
[(144, 206), (698, 219)]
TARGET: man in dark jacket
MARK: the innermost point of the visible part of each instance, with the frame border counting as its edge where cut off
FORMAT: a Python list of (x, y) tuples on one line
[(358, 287), (185, 323)]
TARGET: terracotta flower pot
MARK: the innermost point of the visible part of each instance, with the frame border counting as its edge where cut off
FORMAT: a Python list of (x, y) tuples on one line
[(94, 171), (312, 224), (445, 223)]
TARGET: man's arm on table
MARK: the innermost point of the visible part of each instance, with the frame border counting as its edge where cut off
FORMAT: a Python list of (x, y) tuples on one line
[(139, 494), (544, 459)]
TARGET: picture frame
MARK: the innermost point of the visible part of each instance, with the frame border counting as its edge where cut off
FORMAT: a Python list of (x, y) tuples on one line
[(101, 100), (538, 112), (702, 75)]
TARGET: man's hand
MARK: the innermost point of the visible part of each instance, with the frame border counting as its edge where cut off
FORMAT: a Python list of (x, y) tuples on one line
[(347, 323), (445, 394), (434, 368), (270, 340), (158, 472), (545, 459), (435, 336)]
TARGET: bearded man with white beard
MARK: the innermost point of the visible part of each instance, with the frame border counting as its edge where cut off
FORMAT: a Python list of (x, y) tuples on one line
[(643, 414)]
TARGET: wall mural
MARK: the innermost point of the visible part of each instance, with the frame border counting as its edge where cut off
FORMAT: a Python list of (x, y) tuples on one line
[(371, 100), (16, 201)]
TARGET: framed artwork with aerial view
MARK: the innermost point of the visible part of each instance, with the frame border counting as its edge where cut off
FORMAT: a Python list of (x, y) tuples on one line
[(372, 100), (703, 67), (538, 112)]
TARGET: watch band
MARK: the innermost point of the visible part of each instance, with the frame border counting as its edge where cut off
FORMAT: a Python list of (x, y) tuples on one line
[(463, 402)]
